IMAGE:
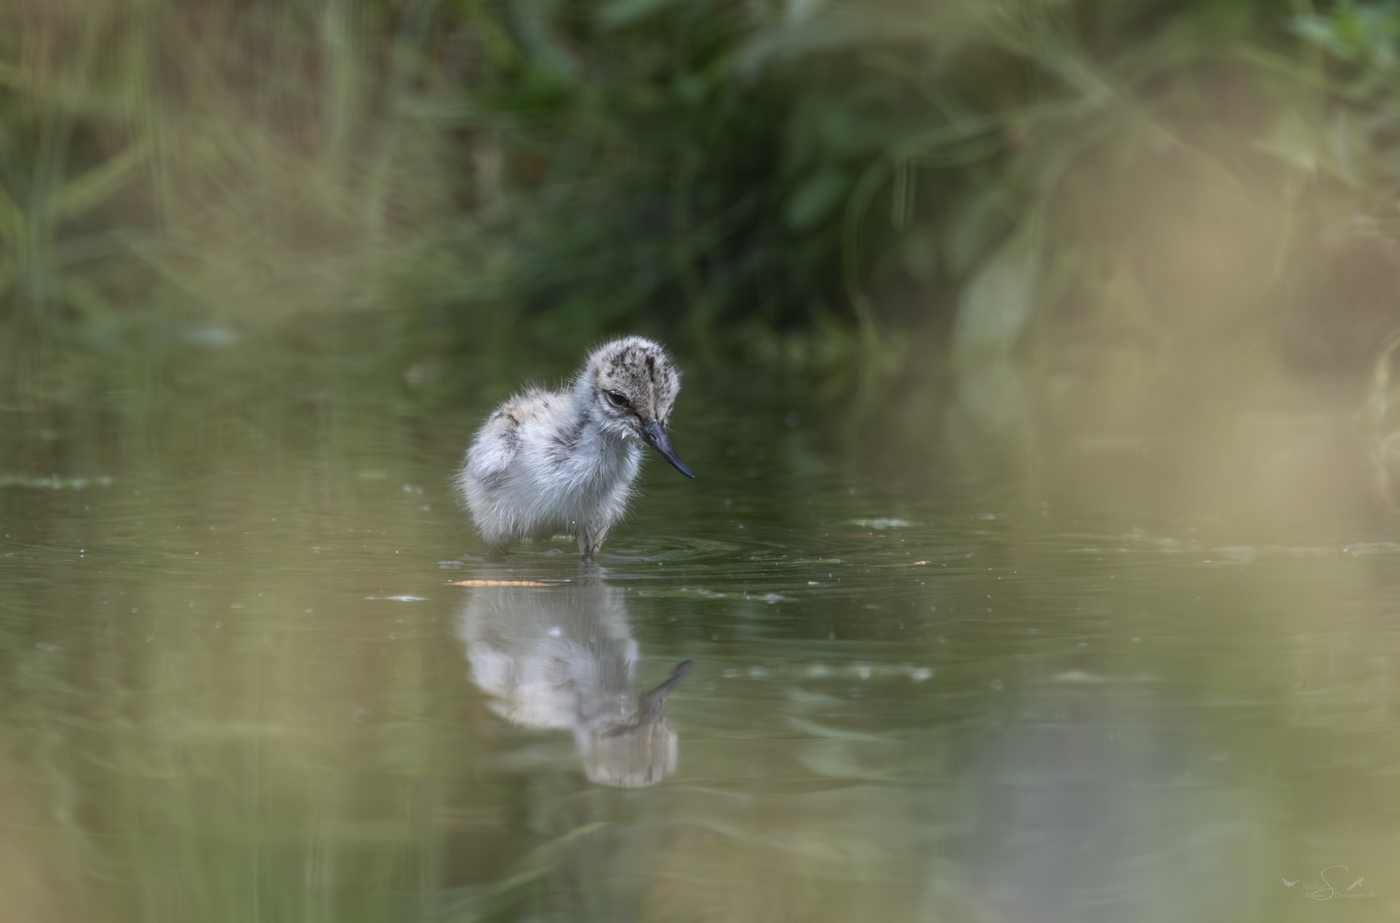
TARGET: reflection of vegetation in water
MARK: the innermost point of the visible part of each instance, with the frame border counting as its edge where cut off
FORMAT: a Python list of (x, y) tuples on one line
[(1382, 429), (851, 686)]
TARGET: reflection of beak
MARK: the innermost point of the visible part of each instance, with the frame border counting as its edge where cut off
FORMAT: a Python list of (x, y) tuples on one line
[(651, 705), (655, 437)]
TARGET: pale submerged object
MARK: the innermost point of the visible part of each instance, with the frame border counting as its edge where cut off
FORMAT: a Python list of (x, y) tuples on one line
[(564, 461)]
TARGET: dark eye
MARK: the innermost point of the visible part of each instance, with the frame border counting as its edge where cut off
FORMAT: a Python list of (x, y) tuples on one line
[(618, 399)]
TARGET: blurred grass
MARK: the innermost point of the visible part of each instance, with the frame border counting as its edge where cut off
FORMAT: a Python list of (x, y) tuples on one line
[(1095, 212), (557, 169)]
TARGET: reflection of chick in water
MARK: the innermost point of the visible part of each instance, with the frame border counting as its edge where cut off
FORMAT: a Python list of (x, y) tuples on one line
[(563, 657)]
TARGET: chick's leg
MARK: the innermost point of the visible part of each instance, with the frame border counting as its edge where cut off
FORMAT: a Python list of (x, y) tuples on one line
[(590, 538)]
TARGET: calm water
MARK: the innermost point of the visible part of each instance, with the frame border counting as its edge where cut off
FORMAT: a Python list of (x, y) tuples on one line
[(240, 680)]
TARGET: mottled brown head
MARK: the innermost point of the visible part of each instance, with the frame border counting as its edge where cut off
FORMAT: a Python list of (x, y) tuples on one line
[(634, 386)]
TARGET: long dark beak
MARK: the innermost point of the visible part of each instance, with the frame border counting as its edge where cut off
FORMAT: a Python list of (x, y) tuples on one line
[(655, 437)]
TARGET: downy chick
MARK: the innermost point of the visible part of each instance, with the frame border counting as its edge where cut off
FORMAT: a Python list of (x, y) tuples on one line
[(565, 461)]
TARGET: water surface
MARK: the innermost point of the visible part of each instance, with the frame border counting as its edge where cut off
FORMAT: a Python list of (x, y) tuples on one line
[(245, 675)]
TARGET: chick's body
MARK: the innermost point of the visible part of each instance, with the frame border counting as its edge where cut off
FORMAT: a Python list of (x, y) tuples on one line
[(565, 461), (534, 470)]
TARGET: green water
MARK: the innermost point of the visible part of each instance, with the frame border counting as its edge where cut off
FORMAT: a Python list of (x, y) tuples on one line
[(237, 681)]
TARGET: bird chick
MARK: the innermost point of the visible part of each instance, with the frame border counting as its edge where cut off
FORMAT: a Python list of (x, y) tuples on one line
[(564, 461)]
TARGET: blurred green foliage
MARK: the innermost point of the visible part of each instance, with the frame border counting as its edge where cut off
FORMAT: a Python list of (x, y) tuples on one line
[(1093, 183)]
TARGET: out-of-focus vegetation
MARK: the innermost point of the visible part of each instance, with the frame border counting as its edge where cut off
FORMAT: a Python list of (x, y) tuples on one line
[(1096, 185)]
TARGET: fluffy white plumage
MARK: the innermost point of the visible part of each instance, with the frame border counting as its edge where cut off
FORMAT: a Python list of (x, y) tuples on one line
[(565, 461)]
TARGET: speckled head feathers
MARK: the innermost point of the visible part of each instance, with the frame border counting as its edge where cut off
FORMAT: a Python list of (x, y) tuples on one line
[(634, 378)]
